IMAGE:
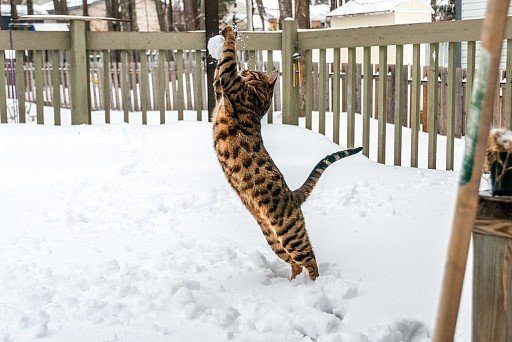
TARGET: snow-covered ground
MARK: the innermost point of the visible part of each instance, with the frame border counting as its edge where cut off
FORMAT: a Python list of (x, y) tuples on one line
[(131, 233)]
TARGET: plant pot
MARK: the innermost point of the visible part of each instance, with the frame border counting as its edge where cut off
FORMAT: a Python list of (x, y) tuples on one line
[(501, 175)]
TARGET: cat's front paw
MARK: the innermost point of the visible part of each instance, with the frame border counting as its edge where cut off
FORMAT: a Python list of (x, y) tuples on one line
[(228, 32)]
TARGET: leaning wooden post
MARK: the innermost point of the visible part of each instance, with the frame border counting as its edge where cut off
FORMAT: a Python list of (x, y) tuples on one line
[(80, 112), (479, 119), (289, 47), (492, 269)]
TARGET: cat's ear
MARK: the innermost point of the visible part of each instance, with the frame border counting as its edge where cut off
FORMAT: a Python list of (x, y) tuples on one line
[(273, 77)]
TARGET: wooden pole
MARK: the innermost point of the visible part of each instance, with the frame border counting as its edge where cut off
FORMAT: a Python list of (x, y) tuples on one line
[(479, 118)]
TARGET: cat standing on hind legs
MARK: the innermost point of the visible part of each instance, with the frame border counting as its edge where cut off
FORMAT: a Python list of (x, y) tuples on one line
[(242, 100)]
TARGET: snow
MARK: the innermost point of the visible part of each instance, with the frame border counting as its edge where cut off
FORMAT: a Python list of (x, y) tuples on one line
[(215, 45), (131, 232)]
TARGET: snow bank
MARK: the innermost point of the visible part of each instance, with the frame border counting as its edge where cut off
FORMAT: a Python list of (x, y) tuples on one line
[(132, 233)]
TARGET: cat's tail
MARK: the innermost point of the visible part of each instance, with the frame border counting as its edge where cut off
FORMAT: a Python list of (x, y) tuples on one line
[(302, 193)]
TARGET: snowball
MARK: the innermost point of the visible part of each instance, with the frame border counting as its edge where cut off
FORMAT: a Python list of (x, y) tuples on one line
[(215, 44)]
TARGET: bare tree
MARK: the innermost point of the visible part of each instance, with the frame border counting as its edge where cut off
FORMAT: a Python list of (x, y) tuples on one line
[(14, 9), (302, 13), (162, 17), (190, 13), (30, 7), (302, 17), (261, 11), (285, 11), (60, 7)]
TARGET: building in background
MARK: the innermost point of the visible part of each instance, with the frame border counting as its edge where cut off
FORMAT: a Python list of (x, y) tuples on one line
[(475, 9), (366, 13)]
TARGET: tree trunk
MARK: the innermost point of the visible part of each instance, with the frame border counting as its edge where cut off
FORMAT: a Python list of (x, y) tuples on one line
[(14, 9), (285, 11), (60, 7), (160, 12), (302, 13), (261, 11), (30, 7), (170, 21), (190, 12), (132, 15), (302, 17), (334, 5)]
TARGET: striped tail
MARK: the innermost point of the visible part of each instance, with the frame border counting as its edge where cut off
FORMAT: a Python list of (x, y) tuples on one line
[(302, 193)]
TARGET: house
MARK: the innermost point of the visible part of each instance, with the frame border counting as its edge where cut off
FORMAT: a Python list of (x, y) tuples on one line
[(475, 9), (366, 13)]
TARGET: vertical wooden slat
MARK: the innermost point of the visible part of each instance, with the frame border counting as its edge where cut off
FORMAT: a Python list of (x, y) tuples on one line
[(433, 72), (107, 88), (507, 113), (450, 122), (415, 104), (308, 74), (133, 81), (251, 63), (382, 104), (289, 41), (161, 85), (144, 80), (351, 97), (3, 95), (399, 104), (322, 91), (56, 87), (336, 110), (470, 73), (198, 80), (368, 97), (20, 85), (125, 85), (270, 68), (179, 61), (38, 75)]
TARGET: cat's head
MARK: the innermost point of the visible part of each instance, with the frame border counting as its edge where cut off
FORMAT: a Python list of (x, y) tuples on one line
[(261, 88)]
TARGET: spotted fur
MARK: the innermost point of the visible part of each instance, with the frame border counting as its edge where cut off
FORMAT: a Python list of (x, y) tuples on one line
[(242, 100)]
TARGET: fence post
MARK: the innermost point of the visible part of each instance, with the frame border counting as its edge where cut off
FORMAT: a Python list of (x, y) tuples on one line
[(492, 269), (80, 113), (289, 47)]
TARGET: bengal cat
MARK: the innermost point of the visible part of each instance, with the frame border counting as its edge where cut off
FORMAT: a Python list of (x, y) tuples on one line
[(242, 100)]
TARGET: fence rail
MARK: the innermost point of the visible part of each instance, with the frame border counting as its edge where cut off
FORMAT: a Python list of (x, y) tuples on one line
[(135, 71)]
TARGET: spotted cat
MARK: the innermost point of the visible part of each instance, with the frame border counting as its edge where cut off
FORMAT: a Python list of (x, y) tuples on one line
[(242, 100)]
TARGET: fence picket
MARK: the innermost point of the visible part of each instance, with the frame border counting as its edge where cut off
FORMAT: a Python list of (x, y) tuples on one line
[(125, 86), (399, 104), (433, 72), (198, 80), (3, 97), (38, 75), (368, 97), (161, 85), (308, 74), (415, 104), (336, 112), (20, 86), (382, 105), (179, 62), (351, 97), (450, 124), (270, 69), (144, 86), (322, 91)]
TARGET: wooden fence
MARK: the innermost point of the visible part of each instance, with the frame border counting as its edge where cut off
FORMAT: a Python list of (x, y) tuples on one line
[(168, 77)]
